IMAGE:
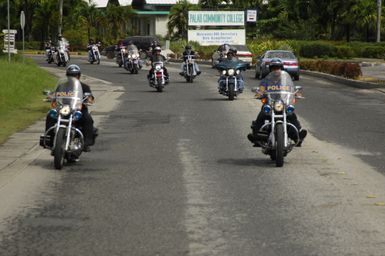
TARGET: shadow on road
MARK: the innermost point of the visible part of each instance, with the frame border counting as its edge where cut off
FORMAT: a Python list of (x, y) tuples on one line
[(246, 162)]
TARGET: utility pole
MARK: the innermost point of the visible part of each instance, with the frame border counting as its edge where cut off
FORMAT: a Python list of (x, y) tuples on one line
[(378, 21), (9, 41), (60, 16)]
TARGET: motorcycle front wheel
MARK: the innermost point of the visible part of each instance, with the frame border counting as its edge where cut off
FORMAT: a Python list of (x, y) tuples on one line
[(279, 149), (59, 151), (231, 92)]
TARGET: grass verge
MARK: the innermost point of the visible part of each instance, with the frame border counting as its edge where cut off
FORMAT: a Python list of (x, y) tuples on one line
[(21, 98)]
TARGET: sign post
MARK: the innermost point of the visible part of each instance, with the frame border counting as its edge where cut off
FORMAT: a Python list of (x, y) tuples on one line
[(22, 24), (9, 25)]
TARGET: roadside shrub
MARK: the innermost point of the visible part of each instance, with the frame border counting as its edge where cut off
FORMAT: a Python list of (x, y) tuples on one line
[(339, 68), (373, 52), (315, 50)]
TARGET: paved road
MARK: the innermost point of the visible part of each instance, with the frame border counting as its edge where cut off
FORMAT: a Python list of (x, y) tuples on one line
[(172, 173)]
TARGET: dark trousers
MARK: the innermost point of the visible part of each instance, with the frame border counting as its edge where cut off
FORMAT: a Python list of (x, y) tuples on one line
[(290, 118), (86, 125)]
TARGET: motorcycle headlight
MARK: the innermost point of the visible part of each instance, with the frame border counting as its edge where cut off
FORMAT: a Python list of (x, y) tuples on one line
[(77, 115), (238, 71), (224, 72), (278, 106), (53, 113), (266, 109), (290, 109), (65, 110), (231, 72), (158, 67), (130, 56)]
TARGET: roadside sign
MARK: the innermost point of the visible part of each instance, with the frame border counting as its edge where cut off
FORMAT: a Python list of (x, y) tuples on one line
[(9, 40), (22, 19), (251, 16)]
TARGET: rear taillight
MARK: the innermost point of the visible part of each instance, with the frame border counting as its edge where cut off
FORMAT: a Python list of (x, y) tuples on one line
[(245, 55), (290, 63)]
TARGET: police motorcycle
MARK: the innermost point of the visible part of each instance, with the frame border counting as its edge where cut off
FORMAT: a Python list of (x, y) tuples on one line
[(230, 76), (189, 70), (94, 54), (132, 61), (277, 136), (61, 56), (67, 142)]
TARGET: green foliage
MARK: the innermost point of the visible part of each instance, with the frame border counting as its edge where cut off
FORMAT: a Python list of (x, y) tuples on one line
[(21, 99)]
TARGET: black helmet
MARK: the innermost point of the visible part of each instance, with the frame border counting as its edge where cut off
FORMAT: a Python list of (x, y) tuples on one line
[(232, 50), (73, 70), (276, 62), (157, 49), (188, 47)]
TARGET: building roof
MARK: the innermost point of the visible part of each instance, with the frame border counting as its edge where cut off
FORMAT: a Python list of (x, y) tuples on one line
[(103, 3)]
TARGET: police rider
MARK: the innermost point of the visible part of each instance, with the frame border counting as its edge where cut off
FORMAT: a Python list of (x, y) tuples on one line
[(86, 121), (276, 69)]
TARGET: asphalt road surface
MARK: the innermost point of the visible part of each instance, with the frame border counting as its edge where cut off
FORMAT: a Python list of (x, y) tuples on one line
[(173, 173)]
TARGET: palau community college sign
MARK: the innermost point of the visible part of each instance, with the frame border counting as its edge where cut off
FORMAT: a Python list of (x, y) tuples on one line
[(218, 34)]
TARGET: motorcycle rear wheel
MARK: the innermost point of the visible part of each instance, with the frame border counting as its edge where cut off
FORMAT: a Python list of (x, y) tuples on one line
[(59, 151), (279, 149)]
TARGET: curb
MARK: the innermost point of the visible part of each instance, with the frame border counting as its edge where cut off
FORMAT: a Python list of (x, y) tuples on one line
[(342, 80)]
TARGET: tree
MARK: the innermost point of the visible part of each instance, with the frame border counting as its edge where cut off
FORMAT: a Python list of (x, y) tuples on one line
[(178, 19)]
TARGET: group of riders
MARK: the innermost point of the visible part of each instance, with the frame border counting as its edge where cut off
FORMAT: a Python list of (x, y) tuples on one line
[(155, 55)]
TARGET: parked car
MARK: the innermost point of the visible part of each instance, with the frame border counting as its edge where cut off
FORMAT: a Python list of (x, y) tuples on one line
[(290, 63), (243, 54)]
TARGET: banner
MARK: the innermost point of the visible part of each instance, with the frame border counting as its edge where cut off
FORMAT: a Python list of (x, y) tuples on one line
[(218, 37), (216, 18)]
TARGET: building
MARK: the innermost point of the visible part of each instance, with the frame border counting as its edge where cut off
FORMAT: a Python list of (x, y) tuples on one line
[(151, 15)]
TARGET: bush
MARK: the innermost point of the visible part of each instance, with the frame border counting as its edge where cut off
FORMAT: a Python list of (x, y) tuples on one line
[(339, 68), (315, 50), (373, 52)]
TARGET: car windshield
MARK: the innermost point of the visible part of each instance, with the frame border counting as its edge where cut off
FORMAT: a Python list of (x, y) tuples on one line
[(281, 55)]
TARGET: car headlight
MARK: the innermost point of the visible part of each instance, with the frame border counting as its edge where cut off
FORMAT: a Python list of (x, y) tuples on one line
[(278, 106), (65, 110), (231, 72), (224, 72)]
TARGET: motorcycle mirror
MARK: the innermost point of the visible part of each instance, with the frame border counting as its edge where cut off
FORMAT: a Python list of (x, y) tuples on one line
[(254, 89), (47, 92)]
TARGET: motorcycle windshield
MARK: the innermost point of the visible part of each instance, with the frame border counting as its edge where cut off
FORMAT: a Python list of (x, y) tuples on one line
[(231, 64), (279, 86), (132, 48), (69, 93)]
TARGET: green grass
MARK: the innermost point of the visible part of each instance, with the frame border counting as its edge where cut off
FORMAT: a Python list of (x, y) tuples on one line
[(21, 98)]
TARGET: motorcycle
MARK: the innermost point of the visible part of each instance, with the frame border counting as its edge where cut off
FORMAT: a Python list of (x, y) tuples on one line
[(158, 79), (94, 54), (277, 136), (120, 56), (230, 72), (61, 56), (49, 53), (132, 61), (67, 142), (189, 69)]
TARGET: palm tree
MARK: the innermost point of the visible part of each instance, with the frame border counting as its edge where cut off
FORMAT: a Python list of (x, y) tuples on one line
[(178, 19)]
